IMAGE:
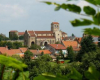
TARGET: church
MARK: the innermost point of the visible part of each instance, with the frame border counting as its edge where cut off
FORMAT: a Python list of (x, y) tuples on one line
[(44, 37)]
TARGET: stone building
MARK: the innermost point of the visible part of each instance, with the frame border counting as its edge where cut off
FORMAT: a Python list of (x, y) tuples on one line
[(12, 33), (44, 37)]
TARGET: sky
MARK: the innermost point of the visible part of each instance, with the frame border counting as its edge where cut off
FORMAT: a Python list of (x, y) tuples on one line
[(35, 15)]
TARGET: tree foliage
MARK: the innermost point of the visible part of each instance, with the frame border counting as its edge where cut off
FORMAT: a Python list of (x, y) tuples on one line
[(35, 46), (21, 37), (16, 65), (27, 57), (10, 45), (87, 45), (14, 37), (71, 54)]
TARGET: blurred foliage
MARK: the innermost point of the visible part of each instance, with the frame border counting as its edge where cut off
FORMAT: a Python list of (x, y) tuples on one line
[(17, 66), (89, 12)]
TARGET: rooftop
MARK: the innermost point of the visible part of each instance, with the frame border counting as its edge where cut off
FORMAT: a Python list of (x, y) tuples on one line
[(57, 46)]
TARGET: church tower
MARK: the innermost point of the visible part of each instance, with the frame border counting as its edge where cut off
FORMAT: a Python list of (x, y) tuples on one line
[(54, 26)]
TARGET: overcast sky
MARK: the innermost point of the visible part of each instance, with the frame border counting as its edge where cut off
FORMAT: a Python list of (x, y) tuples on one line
[(24, 15)]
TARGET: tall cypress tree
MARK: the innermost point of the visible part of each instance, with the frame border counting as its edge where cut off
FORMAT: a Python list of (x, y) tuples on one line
[(71, 54), (87, 45)]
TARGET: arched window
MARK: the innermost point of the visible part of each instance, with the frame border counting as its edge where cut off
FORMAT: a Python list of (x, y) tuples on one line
[(45, 44), (32, 43)]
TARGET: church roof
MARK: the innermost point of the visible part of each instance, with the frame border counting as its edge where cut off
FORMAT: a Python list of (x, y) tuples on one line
[(31, 33), (45, 37), (43, 32), (13, 31)]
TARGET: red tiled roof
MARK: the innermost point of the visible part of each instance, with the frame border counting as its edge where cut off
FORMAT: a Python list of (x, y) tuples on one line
[(13, 31), (79, 39), (55, 23), (23, 49), (43, 32), (64, 33), (3, 48), (21, 33), (16, 51), (45, 37), (70, 43), (31, 33), (57, 46), (38, 52), (9, 52), (45, 51)]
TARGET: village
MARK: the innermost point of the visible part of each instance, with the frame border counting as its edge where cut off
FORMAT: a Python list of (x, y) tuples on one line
[(49, 42)]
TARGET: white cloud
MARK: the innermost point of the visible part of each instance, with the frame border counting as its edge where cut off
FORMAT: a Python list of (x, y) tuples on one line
[(11, 11)]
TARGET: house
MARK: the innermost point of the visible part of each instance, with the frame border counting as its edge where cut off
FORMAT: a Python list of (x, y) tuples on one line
[(6, 51), (74, 45), (43, 38), (37, 53), (56, 48)]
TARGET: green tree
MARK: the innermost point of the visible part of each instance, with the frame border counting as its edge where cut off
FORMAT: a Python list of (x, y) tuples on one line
[(90, 58), (87, 45), (21, 37), (73, 35), (14, 37), (35, 46), (71, 54), (3, 37), (9, 44), (27, 57), (16, 65), (17, 45), (39, 66), (42, 53), (61, 54), (57, 42)]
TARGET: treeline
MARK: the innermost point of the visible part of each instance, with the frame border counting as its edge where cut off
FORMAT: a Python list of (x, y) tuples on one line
[(15, 37), (11, 45)]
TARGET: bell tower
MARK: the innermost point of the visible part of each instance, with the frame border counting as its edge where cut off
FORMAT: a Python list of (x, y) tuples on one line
[(54, 26)]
